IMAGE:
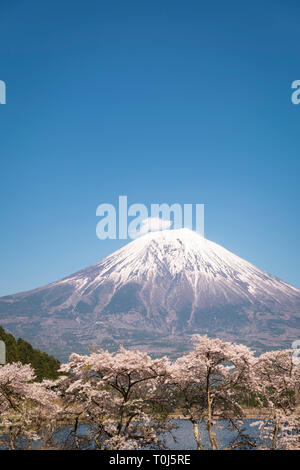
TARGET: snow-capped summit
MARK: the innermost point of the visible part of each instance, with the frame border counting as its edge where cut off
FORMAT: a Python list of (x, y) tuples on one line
[(212, 274), (165, 284)]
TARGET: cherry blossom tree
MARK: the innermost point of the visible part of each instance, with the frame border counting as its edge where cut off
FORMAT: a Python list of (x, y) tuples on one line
[(212, 380), (278, 382), (127, 400), (25, 406), (118, 395)]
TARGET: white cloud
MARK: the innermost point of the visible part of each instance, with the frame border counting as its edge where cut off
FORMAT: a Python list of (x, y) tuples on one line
[(153, 224)]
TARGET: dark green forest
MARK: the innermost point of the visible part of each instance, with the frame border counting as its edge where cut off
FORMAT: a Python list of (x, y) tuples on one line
[(45, 366)]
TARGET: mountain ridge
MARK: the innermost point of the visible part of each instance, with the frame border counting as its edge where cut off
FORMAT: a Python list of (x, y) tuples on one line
[(165, 284)]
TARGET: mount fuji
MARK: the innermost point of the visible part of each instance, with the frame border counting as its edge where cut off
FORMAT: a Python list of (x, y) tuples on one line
[(153, 294)]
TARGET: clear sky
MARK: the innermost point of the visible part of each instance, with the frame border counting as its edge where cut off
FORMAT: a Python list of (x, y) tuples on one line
[(163, 101)]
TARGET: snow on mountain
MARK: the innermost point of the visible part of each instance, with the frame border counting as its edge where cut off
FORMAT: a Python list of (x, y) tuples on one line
[(206, 266), (164, 285)]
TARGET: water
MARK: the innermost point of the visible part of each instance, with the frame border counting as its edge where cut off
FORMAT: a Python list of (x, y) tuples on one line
[(183, 438)]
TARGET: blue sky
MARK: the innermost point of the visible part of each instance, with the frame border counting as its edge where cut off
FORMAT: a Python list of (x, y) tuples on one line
[(163, 101)]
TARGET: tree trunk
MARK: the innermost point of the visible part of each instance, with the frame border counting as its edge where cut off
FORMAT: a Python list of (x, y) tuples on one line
[(11, 440), (196, 433), (275, 434), (209, 425)]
